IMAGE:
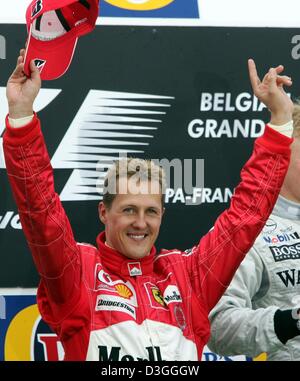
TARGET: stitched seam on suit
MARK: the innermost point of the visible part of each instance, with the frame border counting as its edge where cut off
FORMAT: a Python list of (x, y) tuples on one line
[(249, 212), (37, 187), (243, 223)]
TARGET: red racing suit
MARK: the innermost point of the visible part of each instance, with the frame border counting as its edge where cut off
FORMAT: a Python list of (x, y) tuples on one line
[(104, 306)]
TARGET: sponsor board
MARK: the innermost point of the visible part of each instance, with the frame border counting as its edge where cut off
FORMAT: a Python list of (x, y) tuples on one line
[(163, 9), (181, 12), (197, 13), (24, 336)]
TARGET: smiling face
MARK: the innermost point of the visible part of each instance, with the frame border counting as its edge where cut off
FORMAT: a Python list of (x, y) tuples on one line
[(132, 222)]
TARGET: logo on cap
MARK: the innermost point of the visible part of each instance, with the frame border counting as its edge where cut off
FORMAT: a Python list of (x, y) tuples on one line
[(36, 8), (39, 63), (134, 268)]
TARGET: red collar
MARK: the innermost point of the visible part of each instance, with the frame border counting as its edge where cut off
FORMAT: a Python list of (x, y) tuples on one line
[(118, 264)]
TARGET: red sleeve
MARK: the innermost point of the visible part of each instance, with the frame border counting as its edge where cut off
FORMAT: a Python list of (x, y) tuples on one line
[(214, 261), (43, 218)]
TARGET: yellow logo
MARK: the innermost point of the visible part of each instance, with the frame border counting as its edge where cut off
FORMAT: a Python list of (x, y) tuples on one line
[(140, 5), (18, 339), (123, 291), (158, 297), (262, 357)]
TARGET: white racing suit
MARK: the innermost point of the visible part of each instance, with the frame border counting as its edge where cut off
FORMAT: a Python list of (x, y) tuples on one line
[(268, 279)]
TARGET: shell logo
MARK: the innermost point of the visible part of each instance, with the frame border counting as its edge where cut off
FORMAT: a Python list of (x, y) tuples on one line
[(123, 291), (140, 5)]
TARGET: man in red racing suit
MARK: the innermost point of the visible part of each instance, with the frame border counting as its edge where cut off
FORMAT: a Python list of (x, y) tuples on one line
[(105, 304)]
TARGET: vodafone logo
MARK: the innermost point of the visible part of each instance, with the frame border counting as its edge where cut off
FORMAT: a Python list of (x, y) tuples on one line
[(105, 278)]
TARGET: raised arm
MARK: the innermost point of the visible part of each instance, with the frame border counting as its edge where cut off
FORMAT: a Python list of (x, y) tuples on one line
[(43, 219), (214, 261)]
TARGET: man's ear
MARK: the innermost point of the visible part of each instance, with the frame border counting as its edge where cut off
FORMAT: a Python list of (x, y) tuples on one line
[(102, 212)]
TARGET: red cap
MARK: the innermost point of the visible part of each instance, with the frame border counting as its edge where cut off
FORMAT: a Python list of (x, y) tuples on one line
[(53, 29)]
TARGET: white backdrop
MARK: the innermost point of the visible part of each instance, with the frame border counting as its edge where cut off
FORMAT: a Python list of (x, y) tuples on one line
[(259, 13)]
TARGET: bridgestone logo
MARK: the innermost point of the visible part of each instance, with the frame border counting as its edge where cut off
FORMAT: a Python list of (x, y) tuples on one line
[(285, 252), (109, 303)]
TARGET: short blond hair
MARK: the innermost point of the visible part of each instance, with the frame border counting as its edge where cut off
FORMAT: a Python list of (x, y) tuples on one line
[(296, 118), (147, 170)]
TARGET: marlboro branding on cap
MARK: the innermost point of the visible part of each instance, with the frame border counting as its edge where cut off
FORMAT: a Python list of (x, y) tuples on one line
[(54, 27)]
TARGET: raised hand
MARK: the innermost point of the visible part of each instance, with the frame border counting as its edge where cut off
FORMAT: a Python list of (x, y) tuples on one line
[(270, 91), (21, 91)]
